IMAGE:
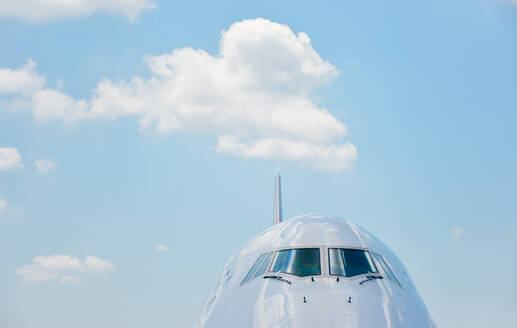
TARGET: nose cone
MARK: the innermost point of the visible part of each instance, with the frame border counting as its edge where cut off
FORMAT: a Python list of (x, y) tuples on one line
[(335, 319), (327, 303), (319, 320)]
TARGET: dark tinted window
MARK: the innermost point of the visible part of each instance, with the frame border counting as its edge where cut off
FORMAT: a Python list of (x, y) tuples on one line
[(300, 262), (350, 262)]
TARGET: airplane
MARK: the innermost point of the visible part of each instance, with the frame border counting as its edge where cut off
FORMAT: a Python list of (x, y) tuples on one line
[(314, 271)]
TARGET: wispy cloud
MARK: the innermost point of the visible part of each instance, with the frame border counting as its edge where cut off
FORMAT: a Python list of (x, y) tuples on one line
[(509, 1), (161, 248), (7, 209), (63, 268), (45, 166), (254, 96), (3, 205), (10, 158), (37, 10), (456, 232)]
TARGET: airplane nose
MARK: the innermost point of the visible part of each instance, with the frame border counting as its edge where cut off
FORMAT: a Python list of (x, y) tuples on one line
[(343, 308), (349, 319), (327, 320)]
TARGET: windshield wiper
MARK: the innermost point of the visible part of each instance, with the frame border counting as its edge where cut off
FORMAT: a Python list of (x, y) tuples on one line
[(368, 278), (279, 278)]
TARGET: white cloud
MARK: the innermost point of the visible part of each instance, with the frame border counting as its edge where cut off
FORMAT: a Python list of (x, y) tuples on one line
[(161, 248), (38, 10), (94, 264), (456, 232), (25, 80), (63, 268), (3, 205), (255, 96), (45, 166), (10, 158), (323, 157)]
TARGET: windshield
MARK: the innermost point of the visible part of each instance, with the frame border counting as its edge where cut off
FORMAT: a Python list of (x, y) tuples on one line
[(301, 262), (264, 266), (254, 268), (350, 262), (385, 268)]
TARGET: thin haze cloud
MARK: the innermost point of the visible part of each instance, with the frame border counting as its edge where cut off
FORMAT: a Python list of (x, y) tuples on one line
[(161, 248), (45, 166), (509, 1), (37, 10), (254, 96), (456, 232), (3, 205)]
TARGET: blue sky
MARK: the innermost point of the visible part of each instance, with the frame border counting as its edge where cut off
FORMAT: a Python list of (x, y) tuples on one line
[(399, 116)]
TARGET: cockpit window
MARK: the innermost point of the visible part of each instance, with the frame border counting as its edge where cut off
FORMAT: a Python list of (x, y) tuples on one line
[(383, 266), (304, 262), (264, 265), (254, 268), (350, 262), (301, 262)]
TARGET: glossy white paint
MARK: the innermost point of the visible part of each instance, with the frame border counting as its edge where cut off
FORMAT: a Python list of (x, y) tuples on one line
[(324, 302)]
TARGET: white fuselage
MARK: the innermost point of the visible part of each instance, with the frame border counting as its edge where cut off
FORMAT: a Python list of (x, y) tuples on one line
[(279, 299)]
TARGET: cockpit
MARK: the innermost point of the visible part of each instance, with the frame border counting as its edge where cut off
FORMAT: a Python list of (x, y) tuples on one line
[(307, 262)]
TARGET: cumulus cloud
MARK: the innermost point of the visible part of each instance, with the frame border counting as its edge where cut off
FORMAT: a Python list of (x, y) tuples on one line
[(329, 157), (3, 205), (62, 268), (161, 248), (37, 10), (255, 96), (456, 232), (25, 80), (10, 158), (45, 166)]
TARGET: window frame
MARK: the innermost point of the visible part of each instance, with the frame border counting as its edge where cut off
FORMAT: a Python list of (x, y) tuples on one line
[(324, 264), (250, 274), (369, 258), (271, 259), (277, 251), (390, 275)]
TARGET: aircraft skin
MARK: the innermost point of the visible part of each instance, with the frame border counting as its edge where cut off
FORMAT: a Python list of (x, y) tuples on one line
[(279, 299)]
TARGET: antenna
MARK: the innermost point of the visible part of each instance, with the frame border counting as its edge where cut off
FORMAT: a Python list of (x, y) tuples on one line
[(278, 200)]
